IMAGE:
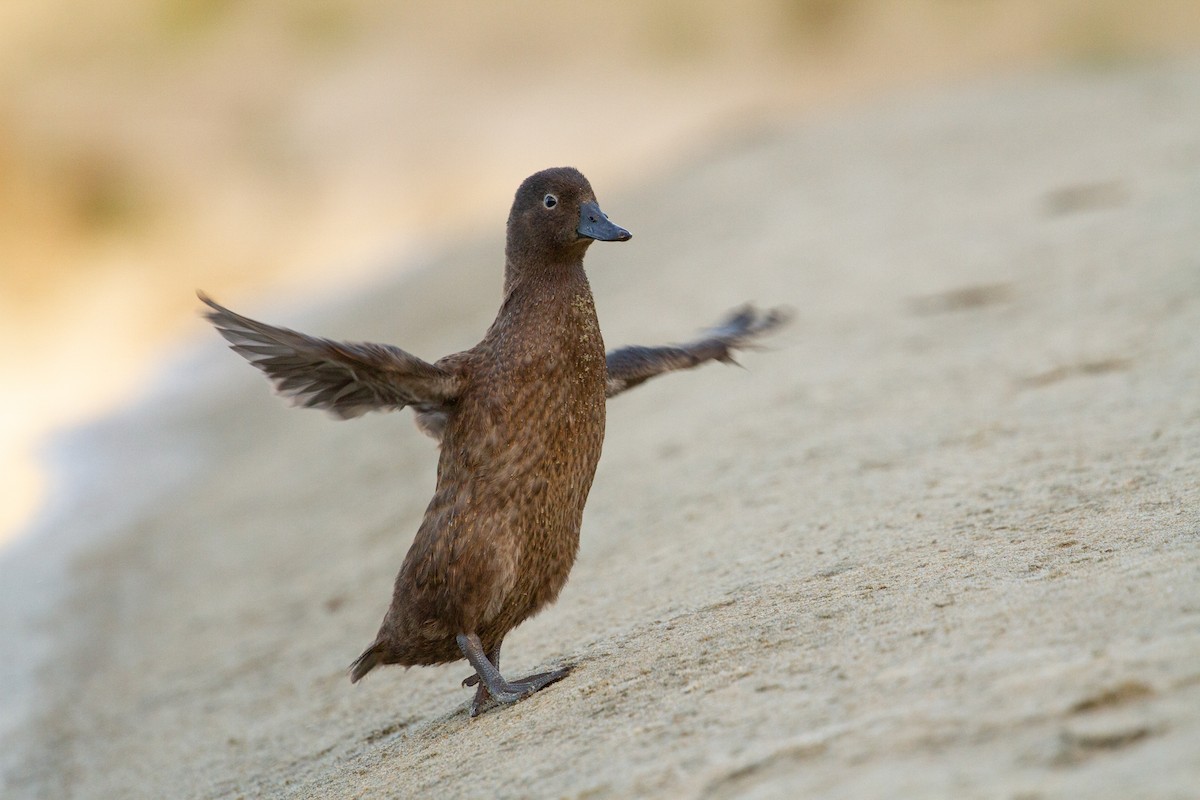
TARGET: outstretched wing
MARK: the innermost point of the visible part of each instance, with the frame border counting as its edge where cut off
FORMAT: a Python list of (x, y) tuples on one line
[(346, 379), (631, 366)]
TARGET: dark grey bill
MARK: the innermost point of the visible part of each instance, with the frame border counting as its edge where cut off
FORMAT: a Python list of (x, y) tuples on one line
[(594, 225)]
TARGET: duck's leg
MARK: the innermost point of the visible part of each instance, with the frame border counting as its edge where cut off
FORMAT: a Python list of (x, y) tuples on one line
[(483, 700), (492, 687)]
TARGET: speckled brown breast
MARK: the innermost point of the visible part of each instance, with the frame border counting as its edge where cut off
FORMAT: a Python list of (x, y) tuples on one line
[(518, 457)]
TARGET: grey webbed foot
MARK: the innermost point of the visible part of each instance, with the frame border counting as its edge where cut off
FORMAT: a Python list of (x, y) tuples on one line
[(492, 689)]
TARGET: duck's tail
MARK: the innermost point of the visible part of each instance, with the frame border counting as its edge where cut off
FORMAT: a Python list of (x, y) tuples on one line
[(371, 658)]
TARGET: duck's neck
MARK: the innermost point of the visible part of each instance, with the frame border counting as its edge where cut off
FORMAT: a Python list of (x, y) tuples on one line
[(542, 279), (553, 301)]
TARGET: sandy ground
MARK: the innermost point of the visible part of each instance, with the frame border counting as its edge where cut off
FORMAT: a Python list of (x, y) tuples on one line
[(943, 539)]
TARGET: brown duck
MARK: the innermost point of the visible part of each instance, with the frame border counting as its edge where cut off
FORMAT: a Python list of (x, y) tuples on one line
[(520, 417)]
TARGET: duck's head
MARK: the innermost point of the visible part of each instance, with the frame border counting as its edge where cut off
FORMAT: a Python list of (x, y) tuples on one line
[(555, 217)]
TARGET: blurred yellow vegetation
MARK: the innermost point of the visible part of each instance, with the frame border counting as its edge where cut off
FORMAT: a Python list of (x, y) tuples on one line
[(221, 139)]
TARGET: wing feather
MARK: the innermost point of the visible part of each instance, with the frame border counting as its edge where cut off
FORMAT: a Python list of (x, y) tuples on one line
[(631, 366), (347, 379)]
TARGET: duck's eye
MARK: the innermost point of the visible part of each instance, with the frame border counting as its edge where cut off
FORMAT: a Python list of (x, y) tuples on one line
[(549, 201)]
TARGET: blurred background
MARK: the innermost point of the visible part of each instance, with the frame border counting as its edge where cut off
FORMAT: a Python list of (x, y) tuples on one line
[(152, 147)]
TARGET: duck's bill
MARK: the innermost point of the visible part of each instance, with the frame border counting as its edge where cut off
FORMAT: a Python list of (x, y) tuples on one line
[(595, 225)]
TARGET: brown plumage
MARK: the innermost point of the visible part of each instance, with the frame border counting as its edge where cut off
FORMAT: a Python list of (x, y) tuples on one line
[(520, 417)]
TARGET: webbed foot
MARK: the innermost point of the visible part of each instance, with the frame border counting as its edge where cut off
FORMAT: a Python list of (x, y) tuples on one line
[(491, 687)]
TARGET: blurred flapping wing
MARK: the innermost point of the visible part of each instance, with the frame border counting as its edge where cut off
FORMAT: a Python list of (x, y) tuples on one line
[(347, 379), (631, 366)]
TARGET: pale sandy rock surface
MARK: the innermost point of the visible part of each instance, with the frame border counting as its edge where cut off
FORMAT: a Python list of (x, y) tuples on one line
[(941, 540)]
